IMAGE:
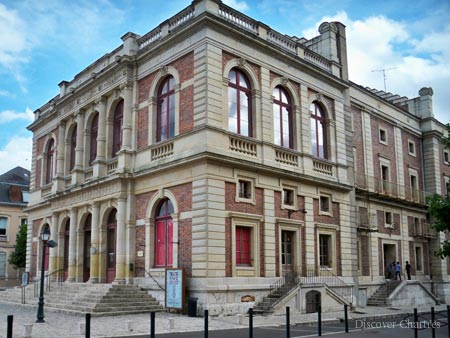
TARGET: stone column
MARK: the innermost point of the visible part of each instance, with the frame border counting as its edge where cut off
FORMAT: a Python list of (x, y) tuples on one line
[(94, 278), (99, 163), (125, 152), (53, 252), (310, 235), (121, 241), (77, 174), (59, 179), (72, 245)]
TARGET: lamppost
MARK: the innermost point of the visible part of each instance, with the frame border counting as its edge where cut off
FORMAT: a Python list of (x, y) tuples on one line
[(45, 236)]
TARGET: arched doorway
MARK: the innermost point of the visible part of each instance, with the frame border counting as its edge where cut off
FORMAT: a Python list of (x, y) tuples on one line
[(111, 235), (313, 299), (66, 249), (87, 248), (164, 234)]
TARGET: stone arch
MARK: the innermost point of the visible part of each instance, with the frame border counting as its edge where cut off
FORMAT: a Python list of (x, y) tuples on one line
[(242, 65), (313, 299), (289, 87)]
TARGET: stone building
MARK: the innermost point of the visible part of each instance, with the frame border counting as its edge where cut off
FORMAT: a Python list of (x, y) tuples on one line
[(14, 195), (216, 144)]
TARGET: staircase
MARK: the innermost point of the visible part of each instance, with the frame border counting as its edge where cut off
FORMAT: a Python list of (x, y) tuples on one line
[(381, 296), (97, 299), (277, 292)]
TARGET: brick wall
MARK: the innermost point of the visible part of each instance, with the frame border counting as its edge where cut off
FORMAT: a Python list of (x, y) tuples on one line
[(358, 140), (287, 213), (381, 266), (445, 168), (386, 230), (232, 205), (144, 86), (412, 257), (142, 132), (426, 258), (185, 245), (382, 150), (409, 161), (333, 219), (186, 109), (277, 250), (262, 268)]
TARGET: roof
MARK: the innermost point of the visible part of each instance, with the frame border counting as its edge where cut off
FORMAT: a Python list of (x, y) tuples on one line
[(16, 176), (13, 184)]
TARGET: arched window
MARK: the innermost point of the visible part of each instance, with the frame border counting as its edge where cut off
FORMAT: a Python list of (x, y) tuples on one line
[(73, 144), (165, 124), (93, 144), (318, 131), (111, 231), (49, 169), (117, 129), (282, 118), (239, 104), (164, 234)]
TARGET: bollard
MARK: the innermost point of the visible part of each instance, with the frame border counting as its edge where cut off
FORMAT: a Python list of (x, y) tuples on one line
[(416, 331), (288, 323), (250, 323), (152, 324), (448, 320), (28, 330), (346, 317), (88, 325), (319, 320), (130, 325), (206, 323), (433, 329), (9, 330)]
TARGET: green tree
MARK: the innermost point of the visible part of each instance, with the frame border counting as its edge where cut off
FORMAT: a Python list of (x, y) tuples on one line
[(439, 208), (18, 257)]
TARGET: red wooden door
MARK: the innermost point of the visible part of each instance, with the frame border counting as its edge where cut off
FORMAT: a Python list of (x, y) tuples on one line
[(87, 256), (164, 245), (66, 251)]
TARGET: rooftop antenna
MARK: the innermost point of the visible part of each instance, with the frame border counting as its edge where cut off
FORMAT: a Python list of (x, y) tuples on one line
[(384, 70)]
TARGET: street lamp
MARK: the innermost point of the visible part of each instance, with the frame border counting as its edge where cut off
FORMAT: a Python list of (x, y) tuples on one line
[(45, 236)]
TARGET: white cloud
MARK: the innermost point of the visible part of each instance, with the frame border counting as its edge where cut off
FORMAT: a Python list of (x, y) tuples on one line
[(13, 38), (377, 43), (6, 93), (17, 152), (241, 6), (9, 116)]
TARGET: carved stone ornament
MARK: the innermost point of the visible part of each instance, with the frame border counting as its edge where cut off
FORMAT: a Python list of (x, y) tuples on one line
[(241, 62), (284, 81), (164, 70), (319, 97)]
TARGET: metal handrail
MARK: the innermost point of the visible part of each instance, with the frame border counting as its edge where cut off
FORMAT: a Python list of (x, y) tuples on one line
[(284, 284)]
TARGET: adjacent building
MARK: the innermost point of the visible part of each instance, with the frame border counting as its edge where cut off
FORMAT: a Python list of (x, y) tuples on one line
[(14, 196), (217, 144)]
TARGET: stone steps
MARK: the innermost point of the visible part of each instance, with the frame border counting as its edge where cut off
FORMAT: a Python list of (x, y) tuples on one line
[(99, 299)]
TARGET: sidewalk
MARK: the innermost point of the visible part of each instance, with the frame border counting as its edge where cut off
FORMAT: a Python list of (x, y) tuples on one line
[(61, 325)]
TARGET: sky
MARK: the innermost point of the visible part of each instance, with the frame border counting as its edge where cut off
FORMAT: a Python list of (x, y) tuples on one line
[(45, 42)]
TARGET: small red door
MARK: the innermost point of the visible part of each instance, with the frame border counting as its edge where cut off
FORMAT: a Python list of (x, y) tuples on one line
[(111, 253), (164, 245)]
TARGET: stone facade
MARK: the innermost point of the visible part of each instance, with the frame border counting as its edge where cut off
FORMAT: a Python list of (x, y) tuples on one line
[(234, 208)]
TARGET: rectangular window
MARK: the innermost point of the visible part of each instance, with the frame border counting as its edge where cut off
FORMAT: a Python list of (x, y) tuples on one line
[(359, 256), (414, 187), (324, 204), (417, 227), (325, 250), (385, 178), (412, 148), (382, 135), (3, 228), (388, 218), (288, 197), (245, 189), (243, 253), (2, 264), (446, 157), (418, 258)]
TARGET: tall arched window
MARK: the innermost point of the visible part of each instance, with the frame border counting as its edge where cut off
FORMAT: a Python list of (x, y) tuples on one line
[(318, 131), (282, 118), (165, 124), (117, 129), (93, 142), (164, 234), (49, 158), (239, 104), (73, 144)]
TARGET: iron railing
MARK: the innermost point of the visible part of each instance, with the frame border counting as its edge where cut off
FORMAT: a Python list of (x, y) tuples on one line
[(283, 285)]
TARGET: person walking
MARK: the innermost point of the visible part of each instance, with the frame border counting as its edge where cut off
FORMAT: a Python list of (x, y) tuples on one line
[(408, 269), (398, 271), (390, 270)]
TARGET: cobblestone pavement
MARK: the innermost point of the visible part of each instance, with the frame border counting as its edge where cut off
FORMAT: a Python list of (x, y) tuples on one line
[(62, 325)]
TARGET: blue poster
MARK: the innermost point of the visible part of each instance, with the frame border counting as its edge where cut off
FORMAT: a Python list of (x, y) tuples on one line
[(174, 288)]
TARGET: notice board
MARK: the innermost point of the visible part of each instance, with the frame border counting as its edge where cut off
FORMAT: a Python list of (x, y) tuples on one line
[(175, 288)]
